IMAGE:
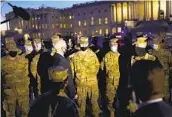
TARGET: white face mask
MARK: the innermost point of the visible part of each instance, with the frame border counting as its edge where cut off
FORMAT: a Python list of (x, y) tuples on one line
[(142, 45), (114, 48), (29, 49), (38, 47), (155, 46), (83, 45)]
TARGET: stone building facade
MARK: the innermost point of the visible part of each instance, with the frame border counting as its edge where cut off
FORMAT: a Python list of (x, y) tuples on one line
[(91, 18)]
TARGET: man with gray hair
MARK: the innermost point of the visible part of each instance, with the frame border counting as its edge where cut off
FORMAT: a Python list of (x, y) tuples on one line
[(60, 48)]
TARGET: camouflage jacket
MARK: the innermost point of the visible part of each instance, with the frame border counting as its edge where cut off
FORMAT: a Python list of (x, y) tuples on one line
[(84, 67), (15, 73), (110, 64)]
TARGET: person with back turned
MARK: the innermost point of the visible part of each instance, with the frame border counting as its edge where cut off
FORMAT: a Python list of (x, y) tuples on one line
[(147, 78), (55, 102)]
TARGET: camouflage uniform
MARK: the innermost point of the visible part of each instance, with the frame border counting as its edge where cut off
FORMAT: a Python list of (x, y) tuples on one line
[(84, 70), (15, 83), (110, 65)]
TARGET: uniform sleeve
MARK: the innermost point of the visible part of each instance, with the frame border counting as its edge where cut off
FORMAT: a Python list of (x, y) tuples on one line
[(72, 67), (35, 74), (95, 65), (102, 64)]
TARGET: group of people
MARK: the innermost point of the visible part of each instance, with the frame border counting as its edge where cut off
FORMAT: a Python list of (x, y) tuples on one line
[(55, 80)]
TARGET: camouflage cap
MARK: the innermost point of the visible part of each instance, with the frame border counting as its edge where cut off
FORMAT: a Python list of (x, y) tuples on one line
[(55, 38), (114, 40), (28, 43), (84, 40), (57, 73), (140, 40), (37, 40), (10, 44), (26, 36)]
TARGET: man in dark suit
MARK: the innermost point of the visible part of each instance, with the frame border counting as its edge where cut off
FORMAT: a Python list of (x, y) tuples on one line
[(148, 78)]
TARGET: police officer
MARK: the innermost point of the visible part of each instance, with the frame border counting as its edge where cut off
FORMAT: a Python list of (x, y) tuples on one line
[(85, 66), (15, 81), (165, 58), (110, 65), (55, 102)]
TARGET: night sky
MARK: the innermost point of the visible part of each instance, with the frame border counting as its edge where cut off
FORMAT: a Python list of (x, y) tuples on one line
[(5, 8)]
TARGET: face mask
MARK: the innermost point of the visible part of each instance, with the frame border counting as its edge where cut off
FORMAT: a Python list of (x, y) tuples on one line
[(140, 51), (155, 46), (29, 49), (13, 53), (38, 47), (114, 48), (83, 48), (142, 45)]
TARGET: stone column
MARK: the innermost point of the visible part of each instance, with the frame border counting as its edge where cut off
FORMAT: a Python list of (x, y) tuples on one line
[(152, 10), (127, 10), (122, 11)]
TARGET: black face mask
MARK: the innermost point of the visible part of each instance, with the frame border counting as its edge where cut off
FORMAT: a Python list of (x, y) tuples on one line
[(140, 51), (83, 48), (13, 53)]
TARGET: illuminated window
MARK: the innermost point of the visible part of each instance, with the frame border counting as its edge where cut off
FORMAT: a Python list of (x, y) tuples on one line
[(57, 25), (70, 17), (100, 31), (119, 17), (93, 32), (125, 11), (43, 26), (85, 22), (39, 34), (92, 20), (119, 29), (79, 23), (33, 26), (100, 21), (61, 26), (106, 20), (106, 31), (64, 25), (60, 17), (113, 30), (80, 32), (71, 25), (53, 26), (36, 26)]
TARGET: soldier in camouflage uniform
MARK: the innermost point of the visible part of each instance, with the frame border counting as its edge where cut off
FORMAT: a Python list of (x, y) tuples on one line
[(110, 65), (33, 69), (85, 66), (165, 58), (55, 103), (15, 81)]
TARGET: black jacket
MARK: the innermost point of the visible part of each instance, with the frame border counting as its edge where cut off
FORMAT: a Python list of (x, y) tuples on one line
[(159, 109), (62, 61)]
